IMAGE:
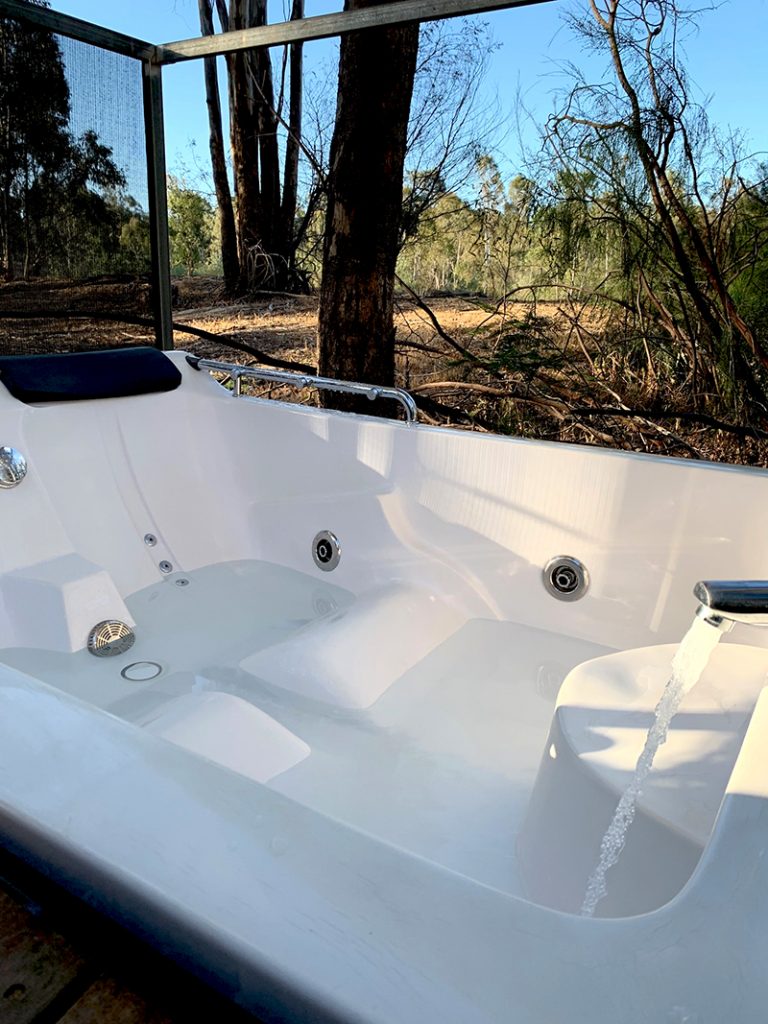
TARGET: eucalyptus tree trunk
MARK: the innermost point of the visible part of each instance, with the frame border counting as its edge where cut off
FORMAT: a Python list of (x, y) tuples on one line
[(293, 141), (6, 259), (265, 214), (244, 137), (227, 230), (365, 195)]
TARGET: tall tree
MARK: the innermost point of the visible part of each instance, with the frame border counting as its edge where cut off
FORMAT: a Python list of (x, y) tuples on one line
[(365, 195), (265, 201), (57, 209), (293, 140), (450, 126), (648, 146), (227, 230), (34, 114)]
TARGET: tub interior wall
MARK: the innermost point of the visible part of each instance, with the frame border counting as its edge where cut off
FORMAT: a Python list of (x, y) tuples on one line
[(216, 479), (488, 513), (388, 688)]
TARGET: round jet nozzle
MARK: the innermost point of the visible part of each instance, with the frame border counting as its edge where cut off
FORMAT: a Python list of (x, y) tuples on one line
[(566, 578)]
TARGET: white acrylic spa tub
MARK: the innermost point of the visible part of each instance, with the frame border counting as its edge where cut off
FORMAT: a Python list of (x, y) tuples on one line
[(327, 791)]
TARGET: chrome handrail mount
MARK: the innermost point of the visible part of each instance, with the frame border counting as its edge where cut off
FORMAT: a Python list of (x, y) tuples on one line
[(303, 380)]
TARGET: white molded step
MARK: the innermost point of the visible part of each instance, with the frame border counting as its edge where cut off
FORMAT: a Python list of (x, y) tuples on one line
[(230, 731)]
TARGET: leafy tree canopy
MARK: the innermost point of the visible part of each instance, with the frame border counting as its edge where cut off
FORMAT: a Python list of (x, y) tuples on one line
[(62, 200)]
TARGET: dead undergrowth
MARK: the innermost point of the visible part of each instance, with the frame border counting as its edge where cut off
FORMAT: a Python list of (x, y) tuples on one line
[(554, 371)]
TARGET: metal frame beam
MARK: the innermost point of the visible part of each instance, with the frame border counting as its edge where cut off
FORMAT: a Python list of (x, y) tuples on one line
[(324, 26), (152, 75), (76, 28)]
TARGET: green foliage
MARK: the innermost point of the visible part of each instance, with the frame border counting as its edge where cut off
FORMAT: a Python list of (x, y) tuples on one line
[(75, 210), (62, 200), (494, 245), (750, 246), (191, 222), (527, 348), (134, 245), (441, 256)]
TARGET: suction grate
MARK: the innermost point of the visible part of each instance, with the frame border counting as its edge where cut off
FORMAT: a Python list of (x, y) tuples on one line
[(110, 638)]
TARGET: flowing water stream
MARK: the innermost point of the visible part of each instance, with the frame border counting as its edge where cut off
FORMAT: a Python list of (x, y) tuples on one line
[(689, 662)]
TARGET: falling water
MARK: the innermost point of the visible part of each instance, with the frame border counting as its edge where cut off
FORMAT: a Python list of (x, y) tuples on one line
[(688, 664)]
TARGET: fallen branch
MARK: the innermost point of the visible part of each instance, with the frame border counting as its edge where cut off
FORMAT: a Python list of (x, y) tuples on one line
[(430, 349), (686, 417), (442, 333), (229, 342), (461, 385), (233, 308), (450, 412), (211, 312), (560, 410), (651, 422), (141, 321)]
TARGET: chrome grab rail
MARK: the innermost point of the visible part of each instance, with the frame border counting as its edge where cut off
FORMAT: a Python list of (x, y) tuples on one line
[(302, 380)]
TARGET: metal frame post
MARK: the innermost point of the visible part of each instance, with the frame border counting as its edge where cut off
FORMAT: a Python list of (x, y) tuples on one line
[(152, 76)]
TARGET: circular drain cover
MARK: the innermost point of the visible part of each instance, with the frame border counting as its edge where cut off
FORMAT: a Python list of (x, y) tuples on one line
[(141, 671), (110, 638)]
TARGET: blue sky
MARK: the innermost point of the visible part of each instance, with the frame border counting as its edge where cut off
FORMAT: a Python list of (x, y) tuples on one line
[(726, 61)]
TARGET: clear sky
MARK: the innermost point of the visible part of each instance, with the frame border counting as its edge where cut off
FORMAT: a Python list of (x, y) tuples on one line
[(727, 61)]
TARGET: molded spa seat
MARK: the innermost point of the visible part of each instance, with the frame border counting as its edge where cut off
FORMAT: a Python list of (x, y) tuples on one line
[(603, 712), (352, 657)]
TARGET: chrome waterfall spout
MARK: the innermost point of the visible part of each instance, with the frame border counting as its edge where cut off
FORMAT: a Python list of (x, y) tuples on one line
[(724, 602)]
